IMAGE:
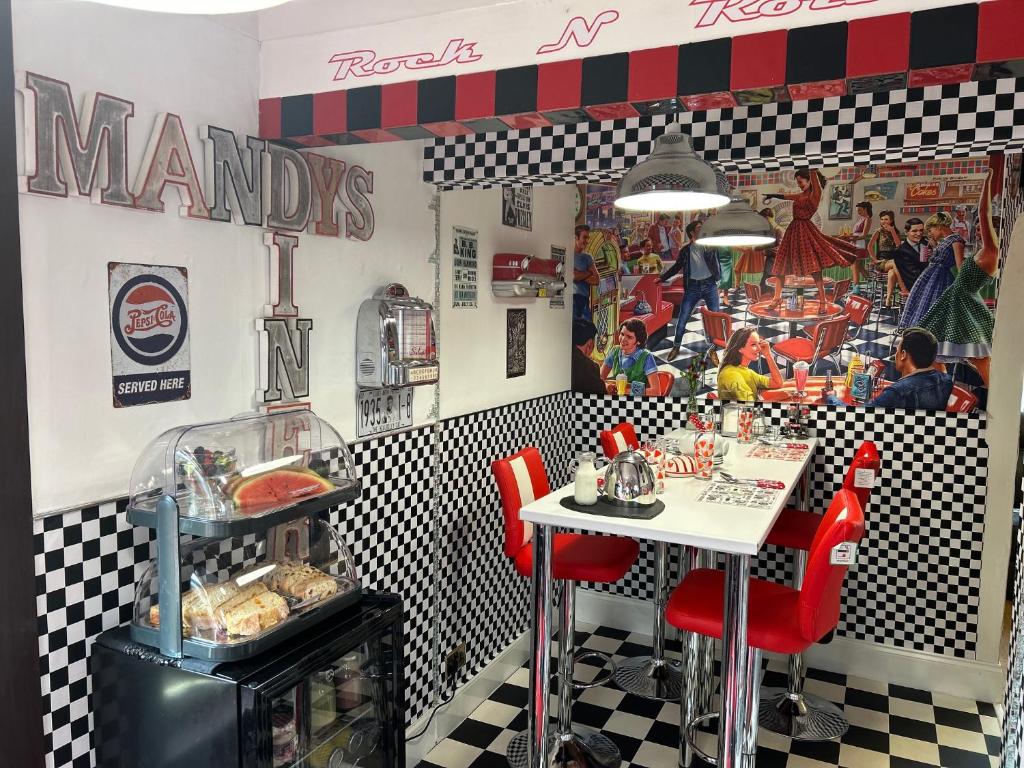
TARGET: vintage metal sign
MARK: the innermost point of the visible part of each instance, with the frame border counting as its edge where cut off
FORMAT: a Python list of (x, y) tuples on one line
[(149, 341), (557, 297), (464, 267), (515, 343), (517, 207), (383, 410)]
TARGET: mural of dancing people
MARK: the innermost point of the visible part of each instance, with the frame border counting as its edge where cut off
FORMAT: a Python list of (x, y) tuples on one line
[(890, 304), (805, 250)]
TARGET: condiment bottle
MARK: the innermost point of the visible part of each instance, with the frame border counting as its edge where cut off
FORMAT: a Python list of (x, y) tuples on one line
[(585, 486)]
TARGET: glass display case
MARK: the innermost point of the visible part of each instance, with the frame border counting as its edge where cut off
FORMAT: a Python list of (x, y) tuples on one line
[(237, 593), (237, 476), (257, 491)]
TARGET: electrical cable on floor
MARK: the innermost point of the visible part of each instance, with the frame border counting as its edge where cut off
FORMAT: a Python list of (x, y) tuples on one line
[(429, 719)]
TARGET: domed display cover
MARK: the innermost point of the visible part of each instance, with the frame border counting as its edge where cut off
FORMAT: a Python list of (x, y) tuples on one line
[(237, 592), (229, 477)]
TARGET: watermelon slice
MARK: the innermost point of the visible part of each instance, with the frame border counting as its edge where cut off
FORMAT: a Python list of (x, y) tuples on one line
[(278, 488)]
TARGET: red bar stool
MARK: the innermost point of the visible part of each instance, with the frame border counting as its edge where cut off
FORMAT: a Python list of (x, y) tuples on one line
[(789, 711), (575, 557), (617, 439), (780, 619)]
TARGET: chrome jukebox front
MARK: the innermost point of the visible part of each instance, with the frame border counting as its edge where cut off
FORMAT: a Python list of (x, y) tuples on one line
[(395, 342)]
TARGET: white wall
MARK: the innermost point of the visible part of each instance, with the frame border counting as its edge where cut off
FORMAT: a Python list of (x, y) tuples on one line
[(82, 447), (473, 340)]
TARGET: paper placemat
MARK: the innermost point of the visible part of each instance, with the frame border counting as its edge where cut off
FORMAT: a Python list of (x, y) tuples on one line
[(738, 495), (777, 452)]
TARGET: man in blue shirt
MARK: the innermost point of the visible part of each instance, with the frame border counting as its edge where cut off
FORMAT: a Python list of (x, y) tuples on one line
[(701, 271), (920, 386), (584, 275)]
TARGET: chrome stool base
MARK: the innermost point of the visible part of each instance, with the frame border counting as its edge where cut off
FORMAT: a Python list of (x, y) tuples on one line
[(650, 679), (803, 717), (607, 662), (583, 748)]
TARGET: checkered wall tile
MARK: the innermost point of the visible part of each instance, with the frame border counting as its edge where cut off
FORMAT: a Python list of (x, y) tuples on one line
[(1013, 698), (88, 561), (918, 578), (958, 120), (483, 601)]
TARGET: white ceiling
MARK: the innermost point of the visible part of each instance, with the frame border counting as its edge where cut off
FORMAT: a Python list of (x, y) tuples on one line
[(307, 17)]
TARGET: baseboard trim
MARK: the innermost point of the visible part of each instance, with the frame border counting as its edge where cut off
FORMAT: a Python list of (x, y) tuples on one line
[(928, 671), (466, 699)]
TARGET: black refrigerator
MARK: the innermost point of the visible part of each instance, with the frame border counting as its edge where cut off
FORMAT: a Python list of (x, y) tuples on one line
[(331, 697)]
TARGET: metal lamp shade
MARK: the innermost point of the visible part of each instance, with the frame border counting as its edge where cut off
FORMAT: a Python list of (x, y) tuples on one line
[(671, 178), (736, 225)]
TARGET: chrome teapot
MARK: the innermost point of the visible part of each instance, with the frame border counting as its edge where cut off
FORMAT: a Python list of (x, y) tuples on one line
[(629, 481)]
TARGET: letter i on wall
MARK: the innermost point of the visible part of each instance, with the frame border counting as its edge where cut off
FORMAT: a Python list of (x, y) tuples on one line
[(284, 347)]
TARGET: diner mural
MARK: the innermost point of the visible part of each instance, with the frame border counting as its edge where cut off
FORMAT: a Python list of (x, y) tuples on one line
[(879, 290)]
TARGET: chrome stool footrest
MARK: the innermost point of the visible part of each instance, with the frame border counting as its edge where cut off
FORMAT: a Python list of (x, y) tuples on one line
[(648, 678), (691, 737), (801, 716), (583, 748), (606, 661)]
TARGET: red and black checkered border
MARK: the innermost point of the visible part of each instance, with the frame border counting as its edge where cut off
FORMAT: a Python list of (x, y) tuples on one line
[(938, 46)]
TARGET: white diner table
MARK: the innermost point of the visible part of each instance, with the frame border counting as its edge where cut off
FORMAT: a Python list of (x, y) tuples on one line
[(738, 532)]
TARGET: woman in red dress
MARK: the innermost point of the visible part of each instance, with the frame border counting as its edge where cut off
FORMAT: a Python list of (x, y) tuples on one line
[(805, 249)]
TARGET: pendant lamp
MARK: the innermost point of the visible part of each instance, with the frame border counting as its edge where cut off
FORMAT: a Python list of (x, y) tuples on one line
[(204, 7), (671, 178), (736, 225)]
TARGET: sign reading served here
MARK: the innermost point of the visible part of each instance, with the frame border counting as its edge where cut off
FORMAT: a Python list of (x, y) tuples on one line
[(149, 342)]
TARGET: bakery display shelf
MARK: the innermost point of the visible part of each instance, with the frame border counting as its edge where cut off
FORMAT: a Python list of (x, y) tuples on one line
[(244, 648), (144, 513)]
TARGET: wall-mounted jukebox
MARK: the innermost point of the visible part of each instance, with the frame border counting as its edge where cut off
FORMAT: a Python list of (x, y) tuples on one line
[(518, 275), (395, 341)]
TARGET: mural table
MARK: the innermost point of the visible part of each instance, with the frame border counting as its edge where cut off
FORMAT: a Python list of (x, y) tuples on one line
[(736, 531), (806, 283), (787, 392)]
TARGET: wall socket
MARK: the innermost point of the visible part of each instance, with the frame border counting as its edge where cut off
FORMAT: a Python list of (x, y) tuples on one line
[(454, 661)]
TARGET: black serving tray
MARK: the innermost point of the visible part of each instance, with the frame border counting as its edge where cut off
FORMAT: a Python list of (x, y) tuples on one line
[(208, 650), (221, 529), (607, 509)]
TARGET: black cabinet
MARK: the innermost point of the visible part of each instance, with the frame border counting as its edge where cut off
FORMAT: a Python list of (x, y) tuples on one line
[(327, 698)]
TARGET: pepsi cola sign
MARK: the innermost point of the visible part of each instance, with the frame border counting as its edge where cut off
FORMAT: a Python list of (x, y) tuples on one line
[(149, 334), (151, 320)]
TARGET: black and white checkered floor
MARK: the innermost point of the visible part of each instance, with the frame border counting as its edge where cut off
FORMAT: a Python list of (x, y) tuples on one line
[(891, 726)]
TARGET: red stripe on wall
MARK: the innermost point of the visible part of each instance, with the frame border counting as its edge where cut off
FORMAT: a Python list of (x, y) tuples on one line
[(330, 112), (653, 74), (559, 84), (398, 104), (270, 118), (759, 60), (474, 96), (878, 46)]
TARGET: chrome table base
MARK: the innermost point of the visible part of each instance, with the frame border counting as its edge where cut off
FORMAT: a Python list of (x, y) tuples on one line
[(583, 748), (652, 679), (801, 716)]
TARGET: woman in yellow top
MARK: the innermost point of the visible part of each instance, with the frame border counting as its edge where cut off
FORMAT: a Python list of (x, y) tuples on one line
[(735, 379)]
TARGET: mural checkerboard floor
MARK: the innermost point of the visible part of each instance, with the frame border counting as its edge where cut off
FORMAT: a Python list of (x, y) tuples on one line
[(876, 339), (891, 726)]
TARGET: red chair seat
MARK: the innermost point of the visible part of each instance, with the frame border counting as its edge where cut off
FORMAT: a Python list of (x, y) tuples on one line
[(584, 557), (796, 348), (696, 606), (794, 529), (721, 343)]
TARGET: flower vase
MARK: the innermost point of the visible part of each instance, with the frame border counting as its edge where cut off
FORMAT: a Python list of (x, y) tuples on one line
[(692, 408)]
